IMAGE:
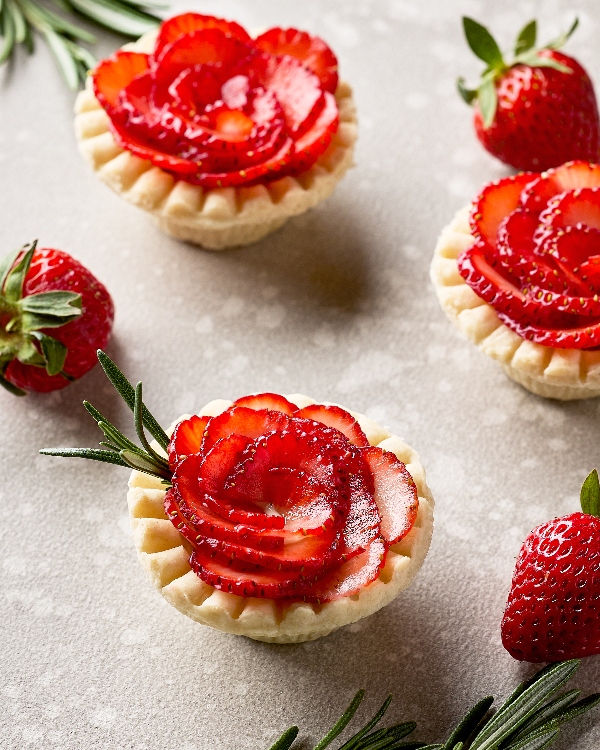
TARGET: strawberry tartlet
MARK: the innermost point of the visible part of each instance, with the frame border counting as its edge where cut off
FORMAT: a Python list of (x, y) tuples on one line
[(518, 272), (221, 137), (321, 518)]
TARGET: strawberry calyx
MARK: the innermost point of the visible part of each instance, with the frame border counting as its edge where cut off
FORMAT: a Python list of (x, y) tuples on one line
[(590, 495), (525, 52), (25, 318)]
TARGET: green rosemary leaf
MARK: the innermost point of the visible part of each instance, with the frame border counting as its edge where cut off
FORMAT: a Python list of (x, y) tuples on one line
[(94, 454), (535, 741), (43, 19), (572, 712), (547, 712), (144, 464), (286, 739), (139, 427), (354, 742), (63, 58), (110, 446), (127, 393), (513, 715), (20, 25), (8, 33), (147, 4), (117, 438), (342, 722), (116, 16), (468, 723), (392, 736)]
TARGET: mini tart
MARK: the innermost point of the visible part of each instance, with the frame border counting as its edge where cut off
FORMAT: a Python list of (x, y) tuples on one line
[(564, 374), (164, 557), (218, 218)]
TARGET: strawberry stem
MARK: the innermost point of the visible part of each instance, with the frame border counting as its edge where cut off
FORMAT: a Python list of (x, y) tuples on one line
[(590, 495)]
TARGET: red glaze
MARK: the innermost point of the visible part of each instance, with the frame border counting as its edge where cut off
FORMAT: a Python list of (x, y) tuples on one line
[(54, 270), (283, 505), (536, 255), (553, 609), (214, 107)]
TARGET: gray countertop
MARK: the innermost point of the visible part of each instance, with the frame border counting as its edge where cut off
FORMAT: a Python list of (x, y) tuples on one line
[(337, 305)]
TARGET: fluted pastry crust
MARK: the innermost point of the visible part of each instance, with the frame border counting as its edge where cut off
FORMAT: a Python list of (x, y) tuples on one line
[(221, 217), (165, 560), (564, 374)]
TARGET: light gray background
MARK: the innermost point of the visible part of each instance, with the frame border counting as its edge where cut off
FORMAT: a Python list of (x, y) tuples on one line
[(337, 305)]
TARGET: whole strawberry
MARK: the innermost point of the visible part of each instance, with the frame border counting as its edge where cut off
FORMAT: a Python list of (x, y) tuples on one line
[(54, 315), (553, 609), (538, 110)]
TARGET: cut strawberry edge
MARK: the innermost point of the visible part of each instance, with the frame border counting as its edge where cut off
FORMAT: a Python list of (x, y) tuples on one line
[(186, 439), (240, 420), (573, 208), (209, 46), (270, 401), (172, 164), (186, 23), (479, 273), (312, 51), (495, 202), (570, 176), (585, 336), (395, 494), (114, 73), (336, 418), (315, 142)]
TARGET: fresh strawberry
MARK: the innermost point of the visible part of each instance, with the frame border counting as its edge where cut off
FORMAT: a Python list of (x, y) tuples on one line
[(536, 111), (54, 315), (495, 202), (315, 141), (114, 73), (310, 50), (271, 401), (570, 176), (352, 575), (553, 608), (188, 23), (339, 419), (186, 439), (573, 208), (240, 420)]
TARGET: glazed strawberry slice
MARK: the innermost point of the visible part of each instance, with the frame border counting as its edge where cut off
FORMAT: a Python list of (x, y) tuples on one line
[(187, 23), (186, 439), (352, 576), (112, 75), (577, 207), (578, 333), (496, 201), (315, 142), (481, 274), (338, 419), (570, 176), (297, 89), (270, 401), (240, 420), (309, 50), (395, 493)]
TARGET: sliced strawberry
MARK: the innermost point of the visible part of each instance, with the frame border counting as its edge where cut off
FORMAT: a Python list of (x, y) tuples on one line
[(186, 439), (310, 50), (581, 334), (479, 271), (395, 493), (220, 462), (570, 176), (514, 237), (338, 419), (576, 207), (315, 142), (112, 75), (240, 420), (297, 89), (351, 576), (187, 23), (495, 202), (271, 401)]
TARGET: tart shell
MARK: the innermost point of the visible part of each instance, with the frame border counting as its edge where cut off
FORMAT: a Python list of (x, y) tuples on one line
[(165, 559), (563, 374), (218, 218)]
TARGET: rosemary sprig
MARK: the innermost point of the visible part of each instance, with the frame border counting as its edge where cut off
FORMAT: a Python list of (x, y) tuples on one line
[(529, 719), (117, 448), (20, 20)]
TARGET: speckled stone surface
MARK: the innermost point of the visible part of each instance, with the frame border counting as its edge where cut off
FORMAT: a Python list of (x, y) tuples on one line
[(337, 304)]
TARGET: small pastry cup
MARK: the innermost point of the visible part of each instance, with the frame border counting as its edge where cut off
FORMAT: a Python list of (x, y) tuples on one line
[(563, 374), (219, 218), (164, 557)]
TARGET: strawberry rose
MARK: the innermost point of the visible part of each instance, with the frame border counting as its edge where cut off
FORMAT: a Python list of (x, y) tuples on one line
[(536, 254), (214, 107)]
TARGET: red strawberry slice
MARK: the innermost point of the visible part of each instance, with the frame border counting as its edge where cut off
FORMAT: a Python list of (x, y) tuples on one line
[(489, 282), (112, 75), (186, 439), (315, 142), (579, 333), (577, 207), (338, 419), (251, 580), (514, 237), (297, 89), (220, 462), (271, 401), (187, 23), (310, 50), (395, 493), (570, 176), (352, 576), (496, 201), (240, 420)]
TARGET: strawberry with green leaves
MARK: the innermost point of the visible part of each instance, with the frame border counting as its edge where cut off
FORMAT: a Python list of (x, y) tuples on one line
[(553, 609), (536, 110), (54, 314)]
